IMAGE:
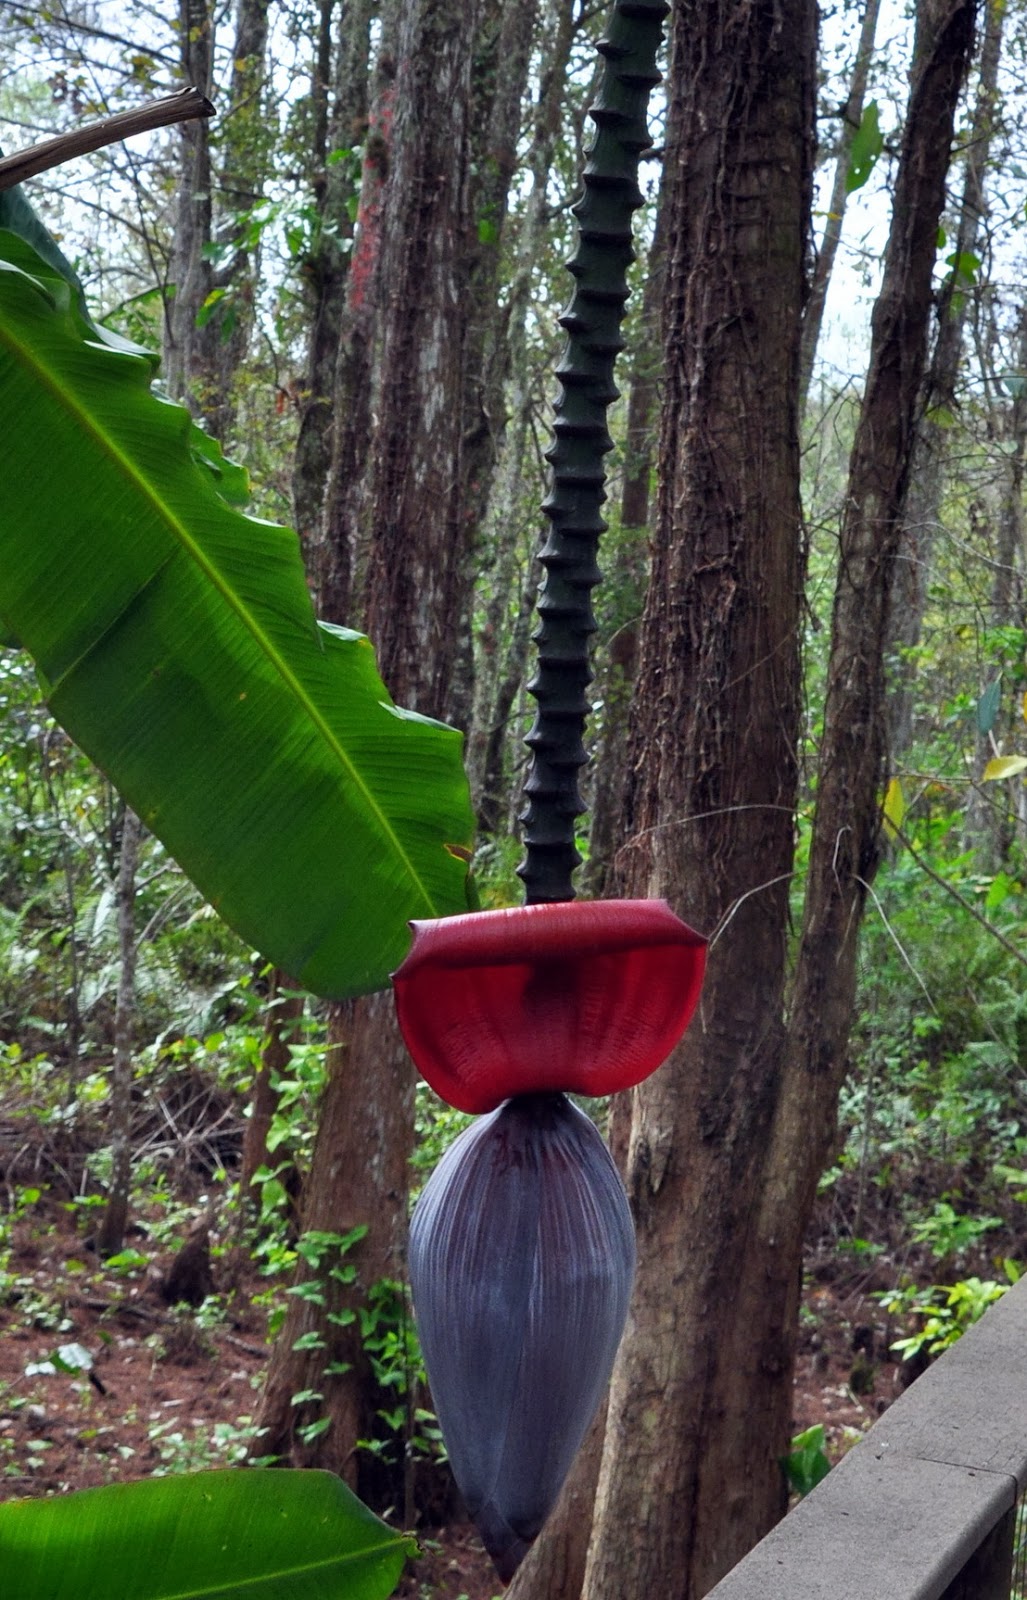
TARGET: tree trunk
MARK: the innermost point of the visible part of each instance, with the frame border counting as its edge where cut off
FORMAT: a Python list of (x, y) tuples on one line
[(701, 1395), (283, 1013), (845, 846), (207, 338), (991, 822), (851, 117), (923, 503), (358, 1179), (339, 554), (493, 794), (500, 80), (111, 1233), (629, 574), (701, 1400), (510, 579), (191, 272), (413, 266), (341, 98), (419, 540), (245, 154)]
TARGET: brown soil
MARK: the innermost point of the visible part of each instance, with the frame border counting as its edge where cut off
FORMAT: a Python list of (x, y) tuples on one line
[(166, 1393)]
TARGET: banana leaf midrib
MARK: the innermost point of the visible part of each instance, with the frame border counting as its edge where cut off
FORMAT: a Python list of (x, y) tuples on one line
[(191, 550)]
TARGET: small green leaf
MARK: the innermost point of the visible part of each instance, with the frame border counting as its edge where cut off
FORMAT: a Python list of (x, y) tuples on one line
[(1002, 886), (309, 1341), (866, 147), (965, 266), (806, 1464), (987, 706)]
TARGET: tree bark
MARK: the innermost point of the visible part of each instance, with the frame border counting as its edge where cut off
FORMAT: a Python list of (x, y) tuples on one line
[(418, 568), (415, 248), (206, 340), (851, 117), (630, 572), (701, 1394), (341, 96), (191, 271), (358, 1179), (701, 1399), (991, 822), (283, 1013), (111, 1233), (244, 159), (510, 579), (922, 511)]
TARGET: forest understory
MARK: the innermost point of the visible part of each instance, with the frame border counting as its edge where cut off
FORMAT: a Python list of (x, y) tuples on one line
[(805, 727), (103, 1381)]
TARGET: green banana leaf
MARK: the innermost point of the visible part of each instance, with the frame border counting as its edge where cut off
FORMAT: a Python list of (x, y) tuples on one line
[(176, 644), (250, 1534)]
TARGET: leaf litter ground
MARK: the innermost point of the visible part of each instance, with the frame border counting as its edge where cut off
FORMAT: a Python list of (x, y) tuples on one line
[(167, 1393)]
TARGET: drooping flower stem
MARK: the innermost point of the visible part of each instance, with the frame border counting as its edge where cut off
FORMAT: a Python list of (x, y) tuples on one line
[(581, 441)]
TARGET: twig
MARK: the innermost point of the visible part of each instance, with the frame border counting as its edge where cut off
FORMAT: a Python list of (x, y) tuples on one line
[(166, 1319), (896, 940), (180, 107), (990, 927)]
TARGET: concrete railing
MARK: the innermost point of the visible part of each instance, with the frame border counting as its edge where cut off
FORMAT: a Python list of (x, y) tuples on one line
[(924, 1506)]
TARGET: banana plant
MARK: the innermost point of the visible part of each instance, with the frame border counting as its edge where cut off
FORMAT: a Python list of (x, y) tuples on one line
[(176, 643), (256, 1534), (522, 1246)]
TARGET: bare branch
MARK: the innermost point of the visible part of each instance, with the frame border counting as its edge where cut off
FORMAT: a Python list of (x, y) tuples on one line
[(949, 888), (180, 107)]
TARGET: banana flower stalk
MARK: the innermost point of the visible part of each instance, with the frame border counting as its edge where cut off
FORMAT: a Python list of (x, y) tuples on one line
[(522, 1249), (584, 997)]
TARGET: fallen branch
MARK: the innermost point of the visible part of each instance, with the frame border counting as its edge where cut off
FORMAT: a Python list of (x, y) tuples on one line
[(165, 1319)]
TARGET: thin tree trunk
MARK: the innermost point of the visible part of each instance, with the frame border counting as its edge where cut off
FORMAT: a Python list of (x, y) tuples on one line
[(283, 1013), (111, 1232), (245, 153), (413, 267), (494, 790), (851, 116), (500, 79), (991, 823), (207, 338), (191, 271), (341, 101), (922, 510), (701, 1400), (701, 1395), (630, 572), (505, 642)]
